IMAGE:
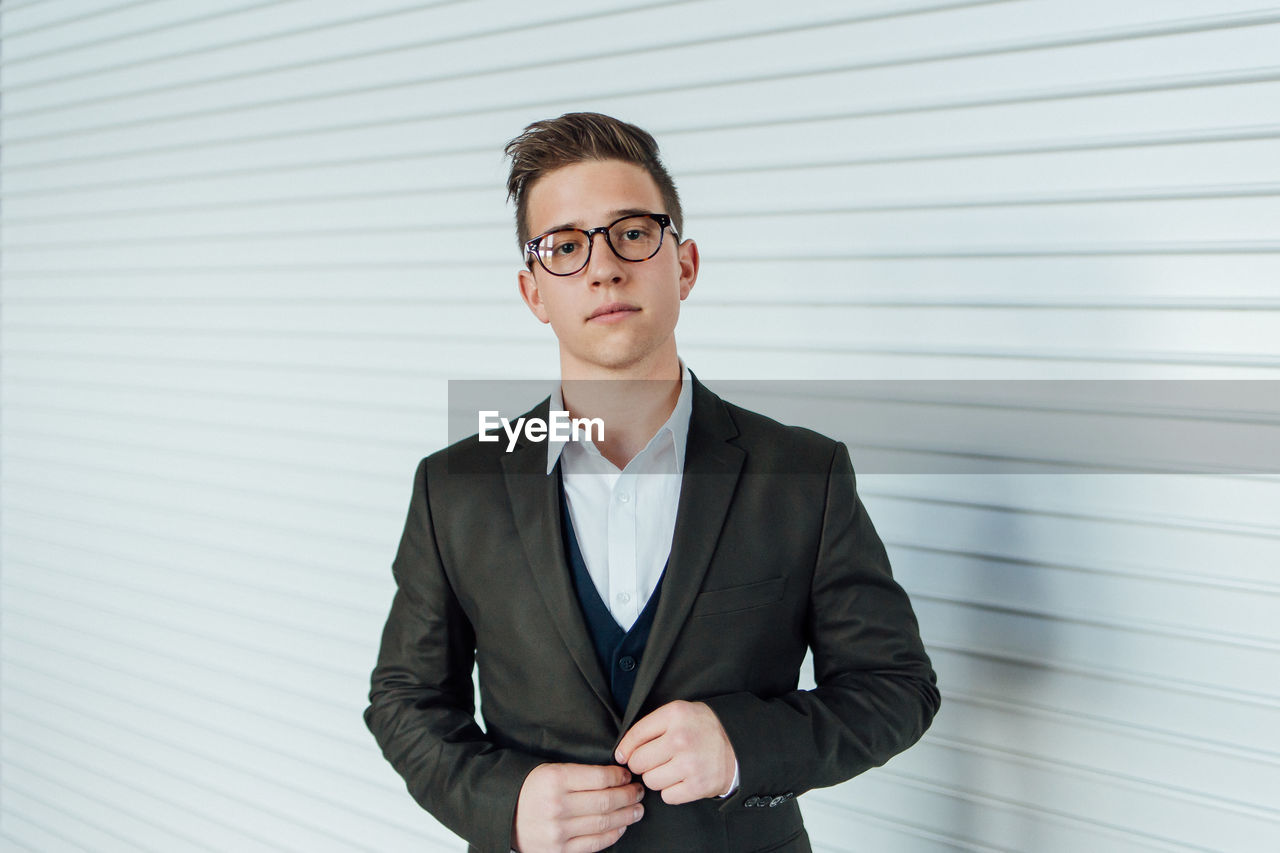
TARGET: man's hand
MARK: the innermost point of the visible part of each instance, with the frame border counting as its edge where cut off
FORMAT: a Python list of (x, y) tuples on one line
[(575, 808), (681, 750)]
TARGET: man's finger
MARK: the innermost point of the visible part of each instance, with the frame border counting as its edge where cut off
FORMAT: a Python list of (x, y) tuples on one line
[(603, 824), (681, 792), (664, 776), (586, 803), (647, 728), (594, 843), (593, 777), (649, 755)]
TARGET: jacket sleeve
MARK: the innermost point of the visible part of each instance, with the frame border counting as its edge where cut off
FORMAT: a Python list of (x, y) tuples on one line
[(422, 700), (875, 691)]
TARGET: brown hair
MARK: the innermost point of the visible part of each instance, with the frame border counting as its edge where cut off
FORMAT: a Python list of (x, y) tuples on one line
[(574, 137)]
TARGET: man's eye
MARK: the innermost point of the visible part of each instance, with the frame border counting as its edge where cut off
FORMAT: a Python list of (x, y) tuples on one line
[(566, 248), (633, 234)]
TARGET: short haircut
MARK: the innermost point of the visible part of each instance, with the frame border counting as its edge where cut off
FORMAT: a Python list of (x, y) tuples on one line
[(576, 137)]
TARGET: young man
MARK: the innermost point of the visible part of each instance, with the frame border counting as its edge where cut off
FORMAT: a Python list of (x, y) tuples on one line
[(639, 605)]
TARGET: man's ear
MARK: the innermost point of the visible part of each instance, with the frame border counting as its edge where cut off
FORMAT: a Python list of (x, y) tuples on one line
[(688, 259), (531, 295)]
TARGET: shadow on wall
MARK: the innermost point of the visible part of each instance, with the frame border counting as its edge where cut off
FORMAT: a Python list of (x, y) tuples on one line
[(988, 751)]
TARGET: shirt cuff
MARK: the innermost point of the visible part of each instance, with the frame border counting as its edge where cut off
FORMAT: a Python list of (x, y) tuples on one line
[(734, 786)]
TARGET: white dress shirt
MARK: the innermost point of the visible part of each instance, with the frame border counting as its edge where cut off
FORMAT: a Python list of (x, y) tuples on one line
[(624, 519)]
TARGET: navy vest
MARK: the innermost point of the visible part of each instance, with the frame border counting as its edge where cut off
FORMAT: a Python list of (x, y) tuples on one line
[(617, 651)]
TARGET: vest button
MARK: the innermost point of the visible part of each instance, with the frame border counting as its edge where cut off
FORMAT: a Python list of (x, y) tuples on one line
[(626, 664)]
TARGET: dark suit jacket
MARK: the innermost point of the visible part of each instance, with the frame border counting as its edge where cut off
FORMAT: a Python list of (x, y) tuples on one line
[(773, 552)]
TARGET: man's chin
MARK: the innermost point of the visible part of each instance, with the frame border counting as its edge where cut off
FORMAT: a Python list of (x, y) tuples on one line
[(612, 359)]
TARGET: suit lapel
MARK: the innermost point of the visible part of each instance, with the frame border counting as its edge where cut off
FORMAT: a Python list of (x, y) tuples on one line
[(711, 470), (535, 503)]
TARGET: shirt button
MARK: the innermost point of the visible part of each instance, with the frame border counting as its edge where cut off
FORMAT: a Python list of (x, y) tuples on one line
[(626, 664), (624, 597), (624, 498)]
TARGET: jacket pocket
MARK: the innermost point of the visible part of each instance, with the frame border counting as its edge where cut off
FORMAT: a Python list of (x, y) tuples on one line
[(797, 842), (734, 598)]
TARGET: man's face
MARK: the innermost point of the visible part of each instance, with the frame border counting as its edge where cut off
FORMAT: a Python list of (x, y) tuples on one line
[(639, 339)]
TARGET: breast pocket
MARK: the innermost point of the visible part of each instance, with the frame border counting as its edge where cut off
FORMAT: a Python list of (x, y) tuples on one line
[(732, 599)]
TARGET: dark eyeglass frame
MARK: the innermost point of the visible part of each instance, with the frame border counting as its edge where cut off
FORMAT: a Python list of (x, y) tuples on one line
[(663, 220)]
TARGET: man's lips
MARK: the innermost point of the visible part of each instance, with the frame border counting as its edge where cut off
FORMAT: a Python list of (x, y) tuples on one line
[(613, 310)]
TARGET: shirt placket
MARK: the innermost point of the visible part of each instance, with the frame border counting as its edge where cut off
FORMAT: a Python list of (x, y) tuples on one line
[(623, 589)]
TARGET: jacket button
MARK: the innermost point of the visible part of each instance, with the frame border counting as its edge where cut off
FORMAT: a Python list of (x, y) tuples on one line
[(752, 802), (777, 801), (789, 795), (626, 664)]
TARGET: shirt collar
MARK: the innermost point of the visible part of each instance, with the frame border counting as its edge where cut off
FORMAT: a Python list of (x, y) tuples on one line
[(677, 424)]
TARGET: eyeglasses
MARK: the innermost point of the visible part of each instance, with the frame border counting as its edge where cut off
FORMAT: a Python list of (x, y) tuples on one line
[(634, 238)]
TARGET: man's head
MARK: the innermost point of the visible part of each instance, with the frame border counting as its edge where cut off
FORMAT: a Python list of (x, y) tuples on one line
[(612, 295), (574, 137)]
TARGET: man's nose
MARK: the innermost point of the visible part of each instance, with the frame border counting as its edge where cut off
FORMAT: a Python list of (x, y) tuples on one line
[(603, 265)]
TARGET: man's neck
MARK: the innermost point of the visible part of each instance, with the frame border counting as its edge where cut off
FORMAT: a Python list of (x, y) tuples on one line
[(632, 407)]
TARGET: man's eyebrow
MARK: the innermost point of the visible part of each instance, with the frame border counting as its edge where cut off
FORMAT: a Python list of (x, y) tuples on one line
[(630, 211), (617, 214), (561, 226)]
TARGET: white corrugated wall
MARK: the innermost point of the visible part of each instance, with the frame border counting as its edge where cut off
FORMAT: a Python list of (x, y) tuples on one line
[(245, 245)]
